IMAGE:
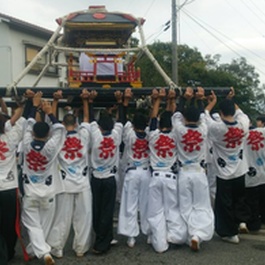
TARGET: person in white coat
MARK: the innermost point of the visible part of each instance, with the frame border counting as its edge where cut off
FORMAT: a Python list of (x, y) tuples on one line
[(39, 179), (11, 132), (255, 178), (227, 136), (137, 177), (194, 197), (74, 203), (105, 141), (166, 223)]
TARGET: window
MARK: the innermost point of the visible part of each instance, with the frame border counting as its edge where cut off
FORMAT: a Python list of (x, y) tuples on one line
[(31, 51)]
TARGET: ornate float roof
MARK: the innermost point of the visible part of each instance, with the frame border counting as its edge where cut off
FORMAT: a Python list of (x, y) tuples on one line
[(96, 27)]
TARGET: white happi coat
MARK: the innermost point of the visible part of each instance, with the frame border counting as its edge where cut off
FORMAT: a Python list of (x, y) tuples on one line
[(40, 184), (104, 157), (254, 150), (166, 223), (136, 183), (74, 204), (8, 145), (227, 141), (194, 197)]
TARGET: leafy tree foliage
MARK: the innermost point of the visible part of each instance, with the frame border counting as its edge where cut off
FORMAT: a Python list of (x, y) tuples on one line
[(208, 71)]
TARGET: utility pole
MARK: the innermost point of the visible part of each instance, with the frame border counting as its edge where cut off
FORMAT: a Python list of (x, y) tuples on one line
[(174, 43)]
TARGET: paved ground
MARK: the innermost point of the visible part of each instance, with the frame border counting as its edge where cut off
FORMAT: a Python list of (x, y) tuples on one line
[(250, 250)]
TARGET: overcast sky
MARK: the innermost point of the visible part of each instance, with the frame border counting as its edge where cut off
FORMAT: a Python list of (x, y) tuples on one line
[(231, 28)]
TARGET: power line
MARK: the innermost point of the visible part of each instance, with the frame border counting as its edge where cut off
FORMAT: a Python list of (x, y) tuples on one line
[(196, 33), (251, 10), (149, 8), (198, 23), (160, 31), (259, 9), (255, 54), (244, 17), (225, 44)]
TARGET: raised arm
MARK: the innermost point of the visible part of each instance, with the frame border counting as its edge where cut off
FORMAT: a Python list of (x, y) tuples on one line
[(17, 114), (56, 97), (157, 97), (92, 96), (3, 106), (171, 101), (231, 96), (36, 103), (199, 97), (127, 97), (212, 99), (29, 94), (119, 95), (85, 97), (47, 109)]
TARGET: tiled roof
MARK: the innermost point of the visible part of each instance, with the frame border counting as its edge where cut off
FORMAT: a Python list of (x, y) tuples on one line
[(23, 25)]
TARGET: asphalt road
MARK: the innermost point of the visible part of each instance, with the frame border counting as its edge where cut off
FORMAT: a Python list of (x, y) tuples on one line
[(250, 250)]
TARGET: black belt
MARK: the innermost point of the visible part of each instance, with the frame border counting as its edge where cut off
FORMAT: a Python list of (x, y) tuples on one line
[(156, 174), (134, 168)]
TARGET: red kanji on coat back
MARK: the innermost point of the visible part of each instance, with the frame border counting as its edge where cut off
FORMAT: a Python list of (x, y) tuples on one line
[(72, 147), (36, 161), (164, 146), (3, 150), (191, 141), (233, 137), (107, 147), (256, 140), (140, 149)]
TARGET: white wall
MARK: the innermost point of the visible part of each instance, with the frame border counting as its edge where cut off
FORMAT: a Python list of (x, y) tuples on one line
[(12, 54)]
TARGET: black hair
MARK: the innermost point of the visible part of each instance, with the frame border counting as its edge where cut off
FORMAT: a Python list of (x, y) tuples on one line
[(227, 107), (69, 119), (41, 129), (165, 120), (192, 114), (139, 121), (106, 122), (261, 118)]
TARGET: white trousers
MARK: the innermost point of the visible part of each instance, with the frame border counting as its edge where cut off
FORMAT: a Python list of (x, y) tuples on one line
[(164, 217), (72, 209), (195, 205), (134, 197), (37, 215)]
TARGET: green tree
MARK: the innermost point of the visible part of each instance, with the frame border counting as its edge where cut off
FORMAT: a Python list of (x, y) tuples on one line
[(149, 74), (208, 71)]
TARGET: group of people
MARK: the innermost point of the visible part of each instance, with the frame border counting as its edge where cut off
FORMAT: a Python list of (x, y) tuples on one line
[(187, 170)]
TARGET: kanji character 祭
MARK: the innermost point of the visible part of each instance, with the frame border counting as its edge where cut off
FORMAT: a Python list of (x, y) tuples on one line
[(164, 146), (72, 147), (233, 137), (191, 141), (107, 147), (140, 149), (255, 139), (36, 161)]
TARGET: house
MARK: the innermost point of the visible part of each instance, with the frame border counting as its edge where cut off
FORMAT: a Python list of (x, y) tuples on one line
[(20, 42)]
